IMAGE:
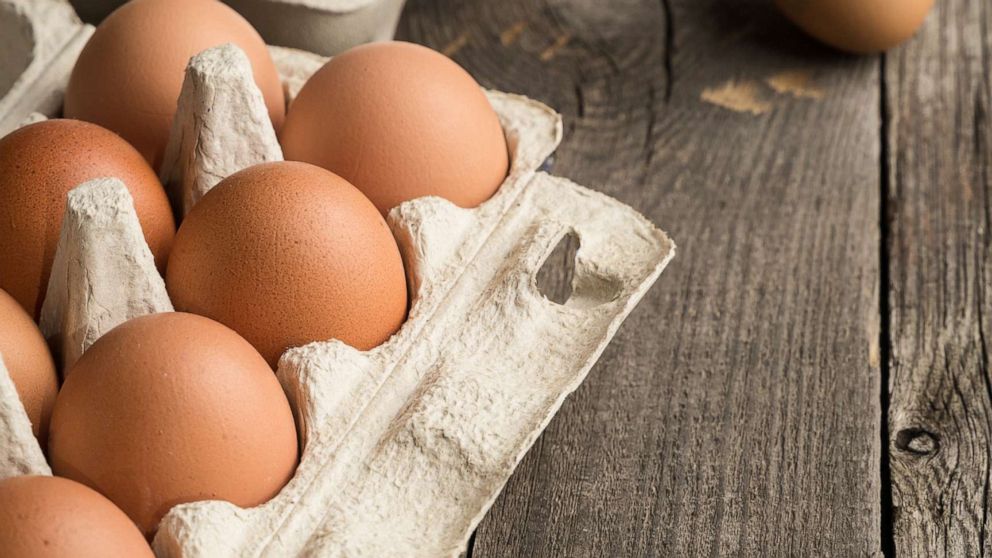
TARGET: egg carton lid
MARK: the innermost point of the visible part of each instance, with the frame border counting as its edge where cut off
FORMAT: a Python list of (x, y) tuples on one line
[(326, 26), (329, 5), (332, 6), (406, 446)]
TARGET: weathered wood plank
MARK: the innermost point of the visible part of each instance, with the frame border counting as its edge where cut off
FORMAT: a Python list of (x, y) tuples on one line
[(940, 419), (738, 411)]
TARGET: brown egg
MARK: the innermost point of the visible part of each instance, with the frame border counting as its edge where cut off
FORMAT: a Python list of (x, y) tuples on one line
[(859, 26), (129, 75), (29, 364), (51, 517), (288, 253), (39, 164), (399, 121), (173, 408)]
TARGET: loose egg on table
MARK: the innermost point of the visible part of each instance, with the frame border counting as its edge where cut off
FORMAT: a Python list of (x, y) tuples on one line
[(129, 75), (29, 364), (53, 517), (39, 165), (859, 26), (288, 253), (173, 408), (399, 121)]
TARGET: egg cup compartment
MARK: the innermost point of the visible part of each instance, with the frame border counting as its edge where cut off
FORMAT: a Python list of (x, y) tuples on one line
[(404, 447), (40, 41)]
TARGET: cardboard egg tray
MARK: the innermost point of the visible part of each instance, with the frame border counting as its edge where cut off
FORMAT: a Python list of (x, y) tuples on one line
[(406, 446)]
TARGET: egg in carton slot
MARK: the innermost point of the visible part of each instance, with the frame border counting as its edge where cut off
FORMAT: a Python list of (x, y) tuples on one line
[(406, 446)]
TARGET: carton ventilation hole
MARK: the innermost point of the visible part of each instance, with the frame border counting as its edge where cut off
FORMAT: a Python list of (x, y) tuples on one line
[(554, 279), (17, 45)]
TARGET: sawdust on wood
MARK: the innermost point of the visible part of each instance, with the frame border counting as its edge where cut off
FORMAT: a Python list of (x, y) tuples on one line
[(561, 41), (512, 33), (455, 45), (738, 96), (797, 83)]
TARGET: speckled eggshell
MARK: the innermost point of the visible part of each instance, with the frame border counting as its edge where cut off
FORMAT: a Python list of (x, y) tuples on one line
[(129, 75), (858, 26), (288, 253), (53, 517), (399, 121), (39, 165), (173, 408), (29, 363)]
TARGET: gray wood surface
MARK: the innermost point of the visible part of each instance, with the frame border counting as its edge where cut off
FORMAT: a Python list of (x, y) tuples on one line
[(738, 412), (940, 420)]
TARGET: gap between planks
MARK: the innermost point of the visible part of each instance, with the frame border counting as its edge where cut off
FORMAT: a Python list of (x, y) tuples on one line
[(887, 535)]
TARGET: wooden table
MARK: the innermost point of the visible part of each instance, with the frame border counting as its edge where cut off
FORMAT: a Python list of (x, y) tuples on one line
[(811, 374)]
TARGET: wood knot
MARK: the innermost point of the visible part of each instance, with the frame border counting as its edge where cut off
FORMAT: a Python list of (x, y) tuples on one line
[(917, 441)]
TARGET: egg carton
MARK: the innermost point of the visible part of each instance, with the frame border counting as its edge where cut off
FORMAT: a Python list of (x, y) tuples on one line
[(404, 447), (322, 26)]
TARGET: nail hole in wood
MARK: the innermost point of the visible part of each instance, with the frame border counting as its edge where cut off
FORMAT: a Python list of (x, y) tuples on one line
[(554, 280), (917, 441)]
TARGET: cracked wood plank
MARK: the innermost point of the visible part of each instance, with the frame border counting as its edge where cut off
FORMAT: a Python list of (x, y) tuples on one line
[(940, 279), (738, 411)]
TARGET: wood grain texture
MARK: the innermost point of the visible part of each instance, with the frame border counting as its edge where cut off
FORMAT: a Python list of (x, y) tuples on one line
[(738, 410), (940, 419)]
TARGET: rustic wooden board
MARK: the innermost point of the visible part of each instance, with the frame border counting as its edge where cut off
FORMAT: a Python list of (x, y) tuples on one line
[(938, 204), (738, 412)]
